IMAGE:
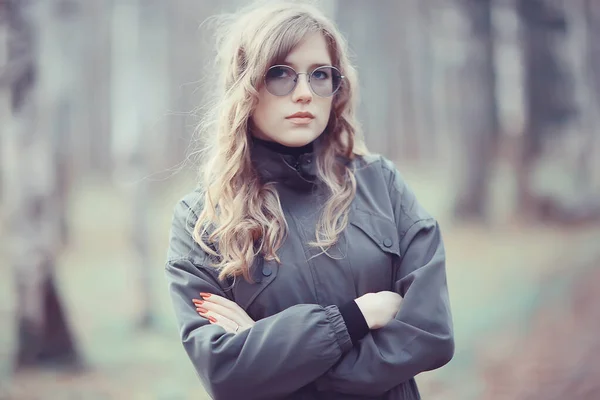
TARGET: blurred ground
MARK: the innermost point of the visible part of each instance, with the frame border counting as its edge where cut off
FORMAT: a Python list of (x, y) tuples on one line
[(558, 357), (524, 297)]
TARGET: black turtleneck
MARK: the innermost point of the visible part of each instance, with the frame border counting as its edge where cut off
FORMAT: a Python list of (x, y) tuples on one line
[(282, 149)]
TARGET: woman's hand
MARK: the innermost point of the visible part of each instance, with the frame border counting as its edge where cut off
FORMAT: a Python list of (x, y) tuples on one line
[(223, 312), (379, 308)]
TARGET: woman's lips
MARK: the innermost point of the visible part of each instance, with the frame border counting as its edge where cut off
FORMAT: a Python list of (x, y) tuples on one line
[(300, 120)]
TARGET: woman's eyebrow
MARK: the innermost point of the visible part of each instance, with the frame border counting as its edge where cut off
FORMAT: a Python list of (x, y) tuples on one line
[(311, 66)]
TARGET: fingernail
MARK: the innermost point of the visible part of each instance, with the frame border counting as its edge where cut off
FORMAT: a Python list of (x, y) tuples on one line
[(204, 294), (198, 301), (212, 319), (202, 310)]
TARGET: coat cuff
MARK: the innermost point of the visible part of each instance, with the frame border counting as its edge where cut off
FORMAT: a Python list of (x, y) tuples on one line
[(355, 321), (339, 328)]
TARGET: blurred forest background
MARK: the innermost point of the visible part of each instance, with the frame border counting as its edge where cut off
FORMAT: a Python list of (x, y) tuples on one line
[(491, 109)]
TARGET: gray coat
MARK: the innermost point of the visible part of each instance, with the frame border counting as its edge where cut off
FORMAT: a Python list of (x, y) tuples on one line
[(299, 347)]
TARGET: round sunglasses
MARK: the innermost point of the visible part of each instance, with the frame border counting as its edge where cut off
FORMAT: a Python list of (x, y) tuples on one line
[(324, 81)]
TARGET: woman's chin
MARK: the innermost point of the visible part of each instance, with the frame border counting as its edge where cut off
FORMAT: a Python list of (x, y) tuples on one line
[(295, 138)]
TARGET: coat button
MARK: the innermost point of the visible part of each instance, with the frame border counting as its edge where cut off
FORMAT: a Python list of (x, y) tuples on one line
[(267, 271), (388, 242)]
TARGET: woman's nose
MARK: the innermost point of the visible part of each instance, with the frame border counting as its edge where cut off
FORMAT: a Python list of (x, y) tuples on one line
[(302, 90)]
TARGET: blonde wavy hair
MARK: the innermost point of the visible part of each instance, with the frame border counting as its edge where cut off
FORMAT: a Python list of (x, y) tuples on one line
[(241, 217)]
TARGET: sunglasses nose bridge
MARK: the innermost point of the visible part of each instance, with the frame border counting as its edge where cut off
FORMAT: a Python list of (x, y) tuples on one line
[(307, 80), (302, 73)]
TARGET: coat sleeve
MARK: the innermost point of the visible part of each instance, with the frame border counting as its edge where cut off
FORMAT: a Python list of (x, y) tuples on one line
[(420, 338), (277, 356)]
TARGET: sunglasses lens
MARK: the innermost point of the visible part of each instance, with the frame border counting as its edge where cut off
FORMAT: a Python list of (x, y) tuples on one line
[(325, 81), (280, 80)]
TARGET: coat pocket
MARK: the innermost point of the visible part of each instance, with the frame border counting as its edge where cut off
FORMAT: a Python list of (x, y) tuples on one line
[(374, 251), (381, 230)]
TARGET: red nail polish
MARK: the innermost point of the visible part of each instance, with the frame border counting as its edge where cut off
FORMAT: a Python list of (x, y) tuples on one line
[(204, 294), (212, 319), (202, 310), (198, 301)]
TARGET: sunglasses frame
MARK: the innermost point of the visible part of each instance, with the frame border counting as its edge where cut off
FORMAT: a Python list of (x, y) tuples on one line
[(308, 75)]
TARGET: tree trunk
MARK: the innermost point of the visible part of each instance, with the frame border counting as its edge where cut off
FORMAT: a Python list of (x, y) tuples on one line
[(592, 13), (130, 127), (4, 92), (30, 181), (549, 97), (94, 101), (480, 113), (401, 99), (426, 89), (377, 67), (414, 54)]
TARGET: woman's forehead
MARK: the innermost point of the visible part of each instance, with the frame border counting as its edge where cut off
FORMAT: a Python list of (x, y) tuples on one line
[(310, 53)]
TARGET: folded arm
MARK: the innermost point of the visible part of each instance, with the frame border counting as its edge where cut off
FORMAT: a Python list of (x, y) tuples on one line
[(275, 357), (420, 338)]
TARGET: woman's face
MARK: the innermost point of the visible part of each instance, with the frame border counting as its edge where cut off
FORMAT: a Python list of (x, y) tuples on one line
[(272, 116)]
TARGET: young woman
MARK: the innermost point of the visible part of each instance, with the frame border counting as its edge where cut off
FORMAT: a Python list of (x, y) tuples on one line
[(303, 267)]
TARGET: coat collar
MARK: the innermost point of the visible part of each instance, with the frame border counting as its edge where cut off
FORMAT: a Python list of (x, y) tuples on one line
[(289, 167), (294, 169)]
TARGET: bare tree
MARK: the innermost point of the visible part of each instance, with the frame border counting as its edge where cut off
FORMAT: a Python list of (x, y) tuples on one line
[(552, 118), (548, 96), (377, 66), (411, 51), (4, 92), (140, 95), (592, 13), (128, 145), (400, 77), (92, 109), (480, 112), (30, 181)]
